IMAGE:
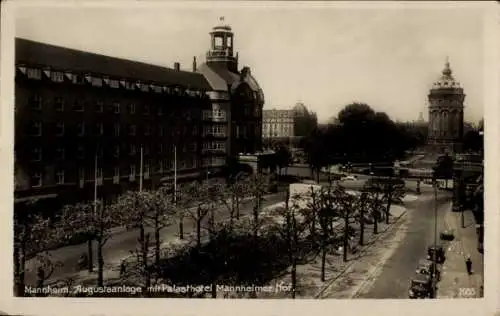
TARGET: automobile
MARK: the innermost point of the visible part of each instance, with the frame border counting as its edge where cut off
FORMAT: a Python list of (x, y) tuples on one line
[(349, 178), (447, 235), (427, 267), (421, 287), (436, 250)]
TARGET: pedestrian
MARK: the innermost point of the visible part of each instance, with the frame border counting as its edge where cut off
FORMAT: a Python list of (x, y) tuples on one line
[(468, 264)]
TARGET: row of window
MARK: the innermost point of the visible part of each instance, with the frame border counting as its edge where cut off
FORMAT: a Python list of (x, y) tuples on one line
[(133, 150), (215, 130), (161, 167), (35, 129), (99, 81), (214, 146), (217, 115), (36, 102)]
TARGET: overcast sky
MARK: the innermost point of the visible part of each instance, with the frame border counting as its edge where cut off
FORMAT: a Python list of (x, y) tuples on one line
[(323, 55)]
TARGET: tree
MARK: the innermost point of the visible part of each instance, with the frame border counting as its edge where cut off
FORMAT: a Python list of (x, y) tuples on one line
[(346, 205), (326, 215), (193, 200), (392, 191), (314, 149), (362, 207), (161, 215), (33, 234), (257, 185)]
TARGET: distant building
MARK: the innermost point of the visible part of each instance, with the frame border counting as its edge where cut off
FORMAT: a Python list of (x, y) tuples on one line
[(446, 114), (291, 123), (74, 107)]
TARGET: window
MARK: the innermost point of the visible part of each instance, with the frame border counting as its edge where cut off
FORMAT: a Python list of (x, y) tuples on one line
[(131, 108), (117, 129), (116, 175), (99, 106), (78, 79), (57, 76), (99, 176), (116, 151), (60, 177), (59, 129), (145, 109), (33, 73), (79, 106), (96, 82), (36, 154), (132, 130), (214, 130), (147, 130), (59, 104), (60, 153), (218, 42), (160, 110), (80, 129), (36, 180), (229, 41), (133, 150), (100, 129), (116, 108), (132, 172), (81, 177), (36, 102), (35, 128), (80, 152)]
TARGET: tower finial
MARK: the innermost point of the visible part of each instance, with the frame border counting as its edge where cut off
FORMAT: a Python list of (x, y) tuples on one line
[(221, 19), (447, 69)]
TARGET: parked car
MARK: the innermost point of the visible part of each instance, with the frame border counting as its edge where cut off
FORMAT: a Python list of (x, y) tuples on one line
[(427, 267), (436, 250), (447, 235), (349, 178), (421, 287)]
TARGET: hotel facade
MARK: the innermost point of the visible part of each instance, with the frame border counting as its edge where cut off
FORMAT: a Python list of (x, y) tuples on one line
[(83, 119)]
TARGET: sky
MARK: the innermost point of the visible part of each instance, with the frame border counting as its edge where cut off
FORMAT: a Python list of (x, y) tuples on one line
[(324, 55)]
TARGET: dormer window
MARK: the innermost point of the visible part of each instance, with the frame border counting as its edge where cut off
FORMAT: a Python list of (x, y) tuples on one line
[(57, 76), (34, 73)]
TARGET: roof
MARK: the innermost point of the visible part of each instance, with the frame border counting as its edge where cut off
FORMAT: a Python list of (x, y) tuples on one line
[(35, 53), (216, 82)]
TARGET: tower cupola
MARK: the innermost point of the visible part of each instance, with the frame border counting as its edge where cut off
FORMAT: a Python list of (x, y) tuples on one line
[(222, 47)]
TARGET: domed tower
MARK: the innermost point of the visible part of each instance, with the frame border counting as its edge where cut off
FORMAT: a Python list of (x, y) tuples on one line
[(221, 51), (446, 113)]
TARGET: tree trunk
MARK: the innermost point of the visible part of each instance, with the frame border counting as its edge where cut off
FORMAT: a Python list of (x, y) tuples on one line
[(214, 289), (22, 264), (388, 208), (100, 263), (362, 226), (375, 224), (237, 207), (323, 262), (181, 227), (146, 267), (198, 230), (294, 277), (346, 236), (157, 243), (90, 255), (18, 272)]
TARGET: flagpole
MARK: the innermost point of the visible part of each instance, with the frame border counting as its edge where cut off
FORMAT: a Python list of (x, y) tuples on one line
[(140, 172)]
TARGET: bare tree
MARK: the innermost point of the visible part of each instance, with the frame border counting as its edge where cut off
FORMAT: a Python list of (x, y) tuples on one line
[(257, 186), (193, 203), (96, 220), (362, 212), (326, 215)]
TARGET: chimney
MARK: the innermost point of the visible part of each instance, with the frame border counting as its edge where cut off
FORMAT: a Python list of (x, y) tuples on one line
[(194, 64), (177, 66)]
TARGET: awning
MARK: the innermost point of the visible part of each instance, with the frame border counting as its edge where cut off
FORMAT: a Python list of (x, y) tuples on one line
[(35, 197)]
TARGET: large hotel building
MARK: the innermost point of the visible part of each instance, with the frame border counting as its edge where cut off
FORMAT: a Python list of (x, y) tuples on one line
[(76, 110)]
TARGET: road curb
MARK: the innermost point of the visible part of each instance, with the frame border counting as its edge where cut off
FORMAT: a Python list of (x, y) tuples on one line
[(365, 248)]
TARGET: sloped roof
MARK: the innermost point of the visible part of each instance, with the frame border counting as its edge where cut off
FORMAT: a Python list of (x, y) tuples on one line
[(41, 54), (213, 78)]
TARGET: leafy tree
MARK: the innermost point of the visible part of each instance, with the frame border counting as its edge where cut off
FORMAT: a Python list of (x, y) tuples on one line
[(95, 220), (362, 207), (283, 158), (33, 235), (444, 168), (315, 152), (193, 200), (326, 216), (257, 188), (346, 205)]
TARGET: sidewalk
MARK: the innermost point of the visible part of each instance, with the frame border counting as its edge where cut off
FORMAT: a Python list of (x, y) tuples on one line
[(455, 282)]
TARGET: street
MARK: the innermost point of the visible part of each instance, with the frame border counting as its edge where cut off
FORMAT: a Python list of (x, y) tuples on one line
[(397, 271), (121, 243)]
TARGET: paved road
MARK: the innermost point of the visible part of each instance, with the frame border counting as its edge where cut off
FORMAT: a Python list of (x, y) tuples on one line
[(120, 245), (393, 282)]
